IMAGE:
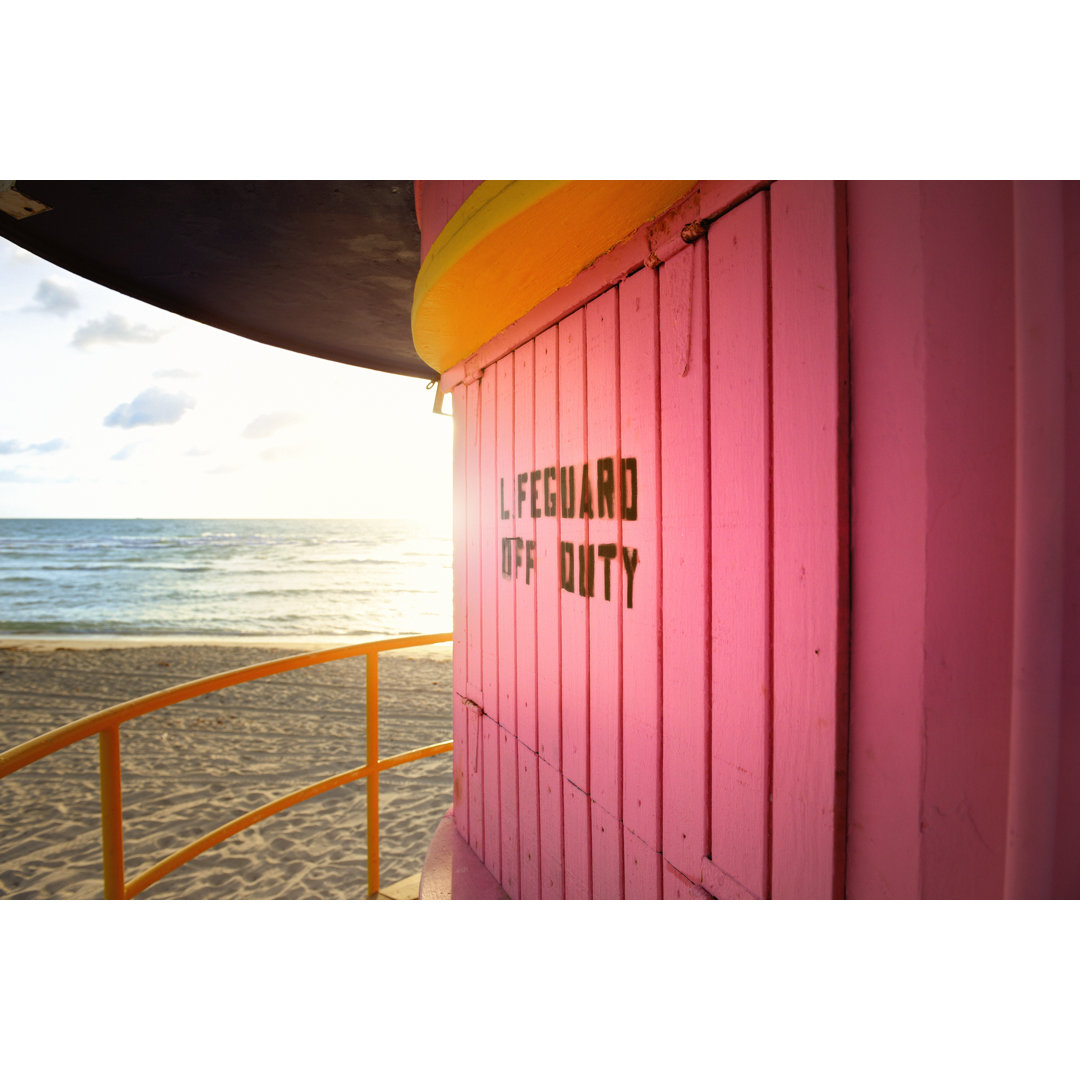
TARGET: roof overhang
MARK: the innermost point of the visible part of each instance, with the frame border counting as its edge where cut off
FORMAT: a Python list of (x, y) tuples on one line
[(321, 267)]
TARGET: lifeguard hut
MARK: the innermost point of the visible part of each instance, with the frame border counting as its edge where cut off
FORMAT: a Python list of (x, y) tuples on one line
[(767, 521), (767, 534)]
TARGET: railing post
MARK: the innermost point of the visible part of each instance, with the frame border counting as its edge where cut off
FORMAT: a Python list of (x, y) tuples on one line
[(372, 727), (112, 821)]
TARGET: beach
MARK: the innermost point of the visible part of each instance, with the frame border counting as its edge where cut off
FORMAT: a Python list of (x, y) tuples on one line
[(197, 765)]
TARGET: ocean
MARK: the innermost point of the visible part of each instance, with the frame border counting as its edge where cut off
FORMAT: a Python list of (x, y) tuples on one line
[(318, 580)]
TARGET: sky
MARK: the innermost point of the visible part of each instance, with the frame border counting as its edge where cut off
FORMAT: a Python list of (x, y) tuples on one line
[(110, 407)]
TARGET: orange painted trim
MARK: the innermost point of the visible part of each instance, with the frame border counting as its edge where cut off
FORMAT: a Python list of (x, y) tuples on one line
[(652, 243), (106, 723), (512, 244)]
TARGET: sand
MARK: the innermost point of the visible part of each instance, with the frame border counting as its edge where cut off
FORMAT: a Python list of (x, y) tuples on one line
[(197, 765)]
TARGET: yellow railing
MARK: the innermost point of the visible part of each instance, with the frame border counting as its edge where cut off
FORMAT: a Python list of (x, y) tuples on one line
[(106, 725)]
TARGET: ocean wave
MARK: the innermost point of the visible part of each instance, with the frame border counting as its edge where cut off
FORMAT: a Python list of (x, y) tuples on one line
[(332, 578), (124, 564)]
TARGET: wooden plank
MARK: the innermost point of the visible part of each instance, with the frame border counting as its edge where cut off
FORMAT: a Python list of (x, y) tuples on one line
[(889, 517), (741, 632), (461, 608), (490, 524), (475, 767), (969, 249), (810, 544), (573, 544), (607, 854), (604, 532), (643, 875), (509, 826), (528, 789), (474, 591), (548, 624), (520, 822), (577, 842), (639, 436), (573, 540), (525, 582), (505, 710), (508, 551), (473, 552), (492, 846), (684, 448), (551, 832), (488, 695), (606, 605), (1038, 611), (548, 593)]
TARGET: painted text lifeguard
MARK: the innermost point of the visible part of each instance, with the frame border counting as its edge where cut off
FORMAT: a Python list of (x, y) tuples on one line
[(565, 492)]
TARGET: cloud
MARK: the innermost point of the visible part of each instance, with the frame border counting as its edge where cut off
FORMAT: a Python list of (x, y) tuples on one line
[(49, 447), (125, 453), (112, 330), (262, 427), (153, 406), (12, 476), (54, 298), (13, 446), (176, 373)]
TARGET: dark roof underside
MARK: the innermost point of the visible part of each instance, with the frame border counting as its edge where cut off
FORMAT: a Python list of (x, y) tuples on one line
[(321, 267)]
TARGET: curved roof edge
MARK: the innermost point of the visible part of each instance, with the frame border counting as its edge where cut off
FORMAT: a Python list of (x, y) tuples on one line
[(477, 278), (320, 267)]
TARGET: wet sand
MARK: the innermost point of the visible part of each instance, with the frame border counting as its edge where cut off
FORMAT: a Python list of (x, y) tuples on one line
[(197, 765)]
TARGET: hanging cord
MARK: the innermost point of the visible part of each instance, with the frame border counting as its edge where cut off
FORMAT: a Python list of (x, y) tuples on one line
[(437, 408)]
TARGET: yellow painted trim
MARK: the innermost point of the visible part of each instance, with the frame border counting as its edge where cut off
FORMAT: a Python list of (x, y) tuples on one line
[(512, 244)]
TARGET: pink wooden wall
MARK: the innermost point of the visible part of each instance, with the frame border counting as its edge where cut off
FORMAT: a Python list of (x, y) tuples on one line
[(823, 644), (965, 722)]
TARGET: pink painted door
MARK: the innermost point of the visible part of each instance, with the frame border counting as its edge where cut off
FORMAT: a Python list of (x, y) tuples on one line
[(653, 510)]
